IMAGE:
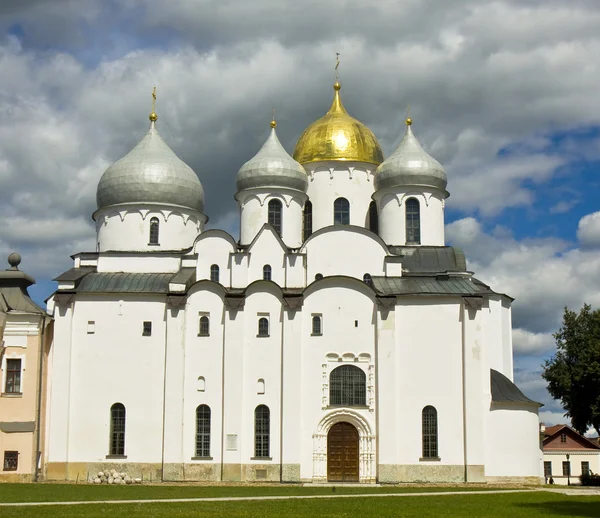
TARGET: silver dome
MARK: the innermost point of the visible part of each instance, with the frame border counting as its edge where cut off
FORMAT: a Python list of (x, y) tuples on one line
[(410, 165), (272, 166), (150, 173)]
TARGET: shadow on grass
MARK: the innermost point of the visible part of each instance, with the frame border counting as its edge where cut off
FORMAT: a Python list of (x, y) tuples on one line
[(572, 508)]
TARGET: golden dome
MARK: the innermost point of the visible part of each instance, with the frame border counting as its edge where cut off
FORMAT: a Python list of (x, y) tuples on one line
[(337, 136)]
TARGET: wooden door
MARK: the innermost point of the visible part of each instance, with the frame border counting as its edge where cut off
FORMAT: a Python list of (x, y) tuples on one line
[(342, 453)]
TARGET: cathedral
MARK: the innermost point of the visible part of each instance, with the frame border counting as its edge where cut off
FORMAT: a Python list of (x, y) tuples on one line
[(337, 340)]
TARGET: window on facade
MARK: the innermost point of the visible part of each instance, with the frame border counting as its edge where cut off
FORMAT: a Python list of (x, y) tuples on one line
[(117, 429), (11, 460), (275, 209), (373, 218), (214, 273), (91, 327), (341, 212), (430, 433), (260, 386), (413, 222), (262, 432), (367, 279), (307, 221), (201, 384), (147, 329), (318, 276), (267, 272), (153, 232), (203, 431), (263, 326), (563, 437), (547, 468), (316, 325), (13, 376), (204, 326), (585, 467), (566, 468), (347, 386)]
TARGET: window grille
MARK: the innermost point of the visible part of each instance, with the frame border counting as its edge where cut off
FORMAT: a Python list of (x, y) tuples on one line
[(275, 209), (373, 218), (413, 222), (13, 376), (367, 279), (267, 272), (347, 386), (307, 223), (147, 329), (430, 433), (203, 431), (585, 467), (262, 432), (11, 460), (153, 231), (563, 437), (566, 468), (341, 212), (214, 273), (263, 326), (204, 326), (117, 429), (547, 468), (316, 325)]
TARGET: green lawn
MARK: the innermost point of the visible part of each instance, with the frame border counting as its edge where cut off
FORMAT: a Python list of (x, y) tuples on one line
[(538, 504)]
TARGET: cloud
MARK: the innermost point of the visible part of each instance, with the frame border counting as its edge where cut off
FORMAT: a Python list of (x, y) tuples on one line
[(588, 230), (526, 342)]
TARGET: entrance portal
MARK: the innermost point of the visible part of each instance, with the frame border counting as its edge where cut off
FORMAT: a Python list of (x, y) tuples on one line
[(342, 453)]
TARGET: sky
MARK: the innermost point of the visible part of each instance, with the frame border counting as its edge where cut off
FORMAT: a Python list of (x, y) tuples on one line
[(503, 93)]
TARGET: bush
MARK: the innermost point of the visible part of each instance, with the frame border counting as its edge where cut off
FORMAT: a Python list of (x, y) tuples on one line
[(590, 480)]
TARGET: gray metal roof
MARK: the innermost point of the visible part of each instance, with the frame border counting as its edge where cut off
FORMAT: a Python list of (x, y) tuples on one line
[(13, 288), (185, 276), (125, 283), (74, 274), (505, 391), (462, 286), (434, 259)]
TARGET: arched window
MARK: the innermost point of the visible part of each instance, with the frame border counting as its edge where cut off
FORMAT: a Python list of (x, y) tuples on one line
[(275, 209), (153, 232), (341, 212), (267, 272), (413, 222), (201, 384), (367, 279), (260, 386), (203, 431), (430, 433), (262, 431), (117, 429), (204, 326), (318, 276), (263, 326), (214, 273), (347, 386), (316, 325), (307, 227), (373, 218)]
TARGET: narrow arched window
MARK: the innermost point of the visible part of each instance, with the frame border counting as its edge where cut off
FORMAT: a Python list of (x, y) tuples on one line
[(347, 386), (214, 273), (373, 218), (275, 209), (341, 212), (262, 431), (318, 276), (430, 433), (203, 431), (267, 272), (316, 325), (117, 429), (260, 386), (307, 226), (204, 326), (413, 222), (367, 279), (263, 326), (153, 232)]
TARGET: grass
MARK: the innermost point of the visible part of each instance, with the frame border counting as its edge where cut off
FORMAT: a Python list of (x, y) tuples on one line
[(537, 504)]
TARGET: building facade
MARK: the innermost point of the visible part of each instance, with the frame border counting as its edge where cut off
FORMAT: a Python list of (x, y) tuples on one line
[(25, 338), (338, 339)]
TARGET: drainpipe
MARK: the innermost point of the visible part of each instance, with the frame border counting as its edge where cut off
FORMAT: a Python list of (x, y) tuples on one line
[(464, 310), (39, 402), (225, 314), (162, 469), (281, 398)]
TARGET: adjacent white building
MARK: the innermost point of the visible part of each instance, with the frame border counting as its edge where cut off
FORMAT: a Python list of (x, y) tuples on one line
[(339, 339)]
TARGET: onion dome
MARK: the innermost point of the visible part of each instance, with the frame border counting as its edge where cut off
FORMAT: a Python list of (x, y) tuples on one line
[(410, 165), (151, 173), (337, 136), (272, 166)]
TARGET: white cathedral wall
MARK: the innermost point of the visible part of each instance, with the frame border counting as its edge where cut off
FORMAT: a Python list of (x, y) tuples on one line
[(266, 250), (213, 249), (138, 263), (331, 180), (498, 335), (127, 227)]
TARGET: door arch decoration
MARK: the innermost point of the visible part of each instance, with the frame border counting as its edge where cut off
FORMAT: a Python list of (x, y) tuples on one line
[(366, 445)]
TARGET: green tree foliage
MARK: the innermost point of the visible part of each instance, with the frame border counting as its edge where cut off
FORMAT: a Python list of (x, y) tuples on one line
[(573, 374)]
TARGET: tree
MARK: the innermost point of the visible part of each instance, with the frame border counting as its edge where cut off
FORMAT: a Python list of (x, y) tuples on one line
[(573, 374)]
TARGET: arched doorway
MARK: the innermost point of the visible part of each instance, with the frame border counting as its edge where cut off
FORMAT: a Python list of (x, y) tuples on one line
[(342, 453)]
